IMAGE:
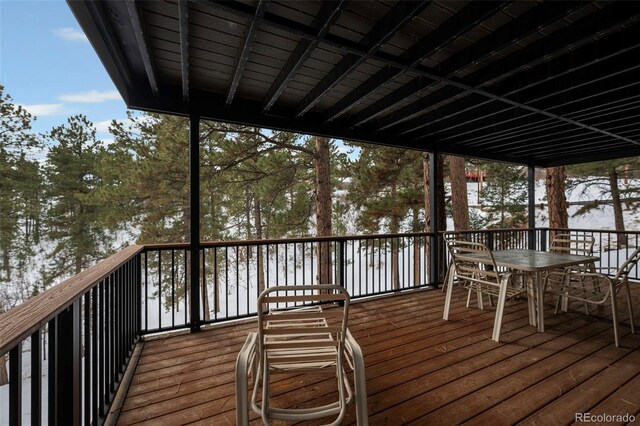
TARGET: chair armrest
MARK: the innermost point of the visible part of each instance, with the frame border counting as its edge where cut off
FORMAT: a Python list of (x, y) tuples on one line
[(355, 352), (246, 357)]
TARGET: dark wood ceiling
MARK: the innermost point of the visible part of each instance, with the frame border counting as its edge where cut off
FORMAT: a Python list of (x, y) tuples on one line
[(538, 83)]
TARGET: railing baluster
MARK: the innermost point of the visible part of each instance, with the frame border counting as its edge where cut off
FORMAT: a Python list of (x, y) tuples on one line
[(36, 378), (94, 360), (15, 385), (87, 358), (173, 285)]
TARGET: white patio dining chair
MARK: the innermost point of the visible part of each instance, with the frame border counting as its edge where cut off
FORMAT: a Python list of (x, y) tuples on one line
[(570, 244), (595, 288), (305, 337), (476, 270)]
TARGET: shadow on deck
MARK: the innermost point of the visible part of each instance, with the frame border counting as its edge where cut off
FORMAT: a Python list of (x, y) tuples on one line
[(420, 369)]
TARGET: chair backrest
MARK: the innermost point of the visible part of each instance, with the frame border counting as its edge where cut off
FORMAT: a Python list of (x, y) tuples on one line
[(302, 324), (572, 244), (474, 263), (625, 269)]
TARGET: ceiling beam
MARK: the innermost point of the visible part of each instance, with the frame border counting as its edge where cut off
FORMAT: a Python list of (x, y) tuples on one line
[(327, 15), (399, 16), (248, 38), (562, 50), (183, 21), (456, 26), (142, 45)]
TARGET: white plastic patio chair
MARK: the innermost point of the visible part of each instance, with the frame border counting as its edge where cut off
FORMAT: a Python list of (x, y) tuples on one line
[(476, 270), (595, 288), (304, 337)]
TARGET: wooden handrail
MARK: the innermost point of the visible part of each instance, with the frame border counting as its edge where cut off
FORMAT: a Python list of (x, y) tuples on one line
[(20, 322)]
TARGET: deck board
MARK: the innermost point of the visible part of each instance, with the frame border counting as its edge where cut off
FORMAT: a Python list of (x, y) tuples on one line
[(420, 369)]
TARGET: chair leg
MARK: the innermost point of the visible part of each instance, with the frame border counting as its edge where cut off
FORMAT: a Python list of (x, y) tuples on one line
[(632, 317), (502, 297), (614, 311), (447, 300)]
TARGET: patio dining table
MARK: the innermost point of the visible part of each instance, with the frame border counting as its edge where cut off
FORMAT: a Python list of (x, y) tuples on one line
[(534, 262)]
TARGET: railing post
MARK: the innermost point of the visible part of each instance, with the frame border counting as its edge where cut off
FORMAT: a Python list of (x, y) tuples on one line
[(531, 180), (543, 239), (64, 378), (194, 202)]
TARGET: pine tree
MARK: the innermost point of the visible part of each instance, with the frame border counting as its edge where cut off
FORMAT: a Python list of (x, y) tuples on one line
[(73, 221), (387, 186), (504, 196)]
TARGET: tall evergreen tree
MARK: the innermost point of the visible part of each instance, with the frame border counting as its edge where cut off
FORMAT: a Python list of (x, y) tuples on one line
[(504, 196), (73, 221), (387, 186)]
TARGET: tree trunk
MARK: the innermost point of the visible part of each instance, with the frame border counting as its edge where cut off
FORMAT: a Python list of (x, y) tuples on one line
[(323, 208), (617, 208), (459, 200), (394, 227), (257, 217), (416, 249), (204, 296), (4, 374), (442, 218), (557, 199)]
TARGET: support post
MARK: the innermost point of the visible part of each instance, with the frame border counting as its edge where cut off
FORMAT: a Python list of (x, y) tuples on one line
[(433, 216), (194, 203), (531, 180)]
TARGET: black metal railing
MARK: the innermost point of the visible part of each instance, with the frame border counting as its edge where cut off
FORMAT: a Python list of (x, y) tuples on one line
[(80, 336), (232, 274)]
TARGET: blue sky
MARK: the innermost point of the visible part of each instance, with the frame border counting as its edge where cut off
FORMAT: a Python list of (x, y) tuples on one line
[(48, 66)]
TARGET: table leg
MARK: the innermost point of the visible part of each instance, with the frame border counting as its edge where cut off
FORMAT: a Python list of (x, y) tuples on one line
[(540, 297), (447, 300), (531, 301)]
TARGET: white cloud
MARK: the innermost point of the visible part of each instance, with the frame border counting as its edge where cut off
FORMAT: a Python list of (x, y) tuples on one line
[(92, 96), (103, 126), (70, 34), (41, 110)]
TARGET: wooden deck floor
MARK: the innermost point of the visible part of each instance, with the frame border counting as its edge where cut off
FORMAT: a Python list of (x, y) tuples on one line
[(420, 369)]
